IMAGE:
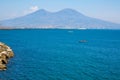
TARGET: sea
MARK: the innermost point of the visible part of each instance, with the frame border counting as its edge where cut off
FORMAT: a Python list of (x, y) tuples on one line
[(59, 54)]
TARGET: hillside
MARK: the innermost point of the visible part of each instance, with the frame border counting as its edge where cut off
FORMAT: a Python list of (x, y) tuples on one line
[(66, 18)]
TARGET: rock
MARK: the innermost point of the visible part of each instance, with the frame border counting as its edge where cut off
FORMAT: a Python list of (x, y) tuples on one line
[(3, 67), (3, 59), (5, 54)]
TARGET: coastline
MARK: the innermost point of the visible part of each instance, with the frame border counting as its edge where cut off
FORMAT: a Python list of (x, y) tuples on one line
[(26, 28)]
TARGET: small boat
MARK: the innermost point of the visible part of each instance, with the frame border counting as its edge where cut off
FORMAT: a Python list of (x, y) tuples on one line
[(83, 41)]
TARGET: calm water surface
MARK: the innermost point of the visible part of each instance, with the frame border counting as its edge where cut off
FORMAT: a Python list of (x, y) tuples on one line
[(58, 55)]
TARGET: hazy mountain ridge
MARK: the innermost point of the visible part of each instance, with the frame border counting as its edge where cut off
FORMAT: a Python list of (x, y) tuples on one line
[(66, 18)]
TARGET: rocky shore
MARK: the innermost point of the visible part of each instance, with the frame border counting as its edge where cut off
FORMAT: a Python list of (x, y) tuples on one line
[(5, 54)]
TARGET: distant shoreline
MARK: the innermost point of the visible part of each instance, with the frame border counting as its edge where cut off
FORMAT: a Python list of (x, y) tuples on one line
[(22, 28), (50, 29)]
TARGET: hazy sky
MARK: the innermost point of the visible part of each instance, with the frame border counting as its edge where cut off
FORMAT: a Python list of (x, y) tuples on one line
[(103, 9)]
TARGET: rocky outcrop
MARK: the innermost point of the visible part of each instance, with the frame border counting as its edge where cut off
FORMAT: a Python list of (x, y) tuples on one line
[(5, 54)]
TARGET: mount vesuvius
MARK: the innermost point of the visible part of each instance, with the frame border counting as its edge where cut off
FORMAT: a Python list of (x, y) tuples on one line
[(66, 18)]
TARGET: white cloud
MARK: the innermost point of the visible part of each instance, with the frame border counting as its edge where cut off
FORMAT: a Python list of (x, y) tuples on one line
[(31, 9), (34, 8)]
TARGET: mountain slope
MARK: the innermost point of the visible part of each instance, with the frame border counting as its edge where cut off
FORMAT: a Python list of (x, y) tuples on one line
[(67, 18)]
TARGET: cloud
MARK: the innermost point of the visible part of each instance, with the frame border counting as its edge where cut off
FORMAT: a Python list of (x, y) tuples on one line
[(34, 8), (31, 9)]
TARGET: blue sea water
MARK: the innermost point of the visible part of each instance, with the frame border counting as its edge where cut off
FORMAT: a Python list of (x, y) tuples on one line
[(55, 54)]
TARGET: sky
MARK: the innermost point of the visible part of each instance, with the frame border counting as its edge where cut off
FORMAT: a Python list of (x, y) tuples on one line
[(108, 10)]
